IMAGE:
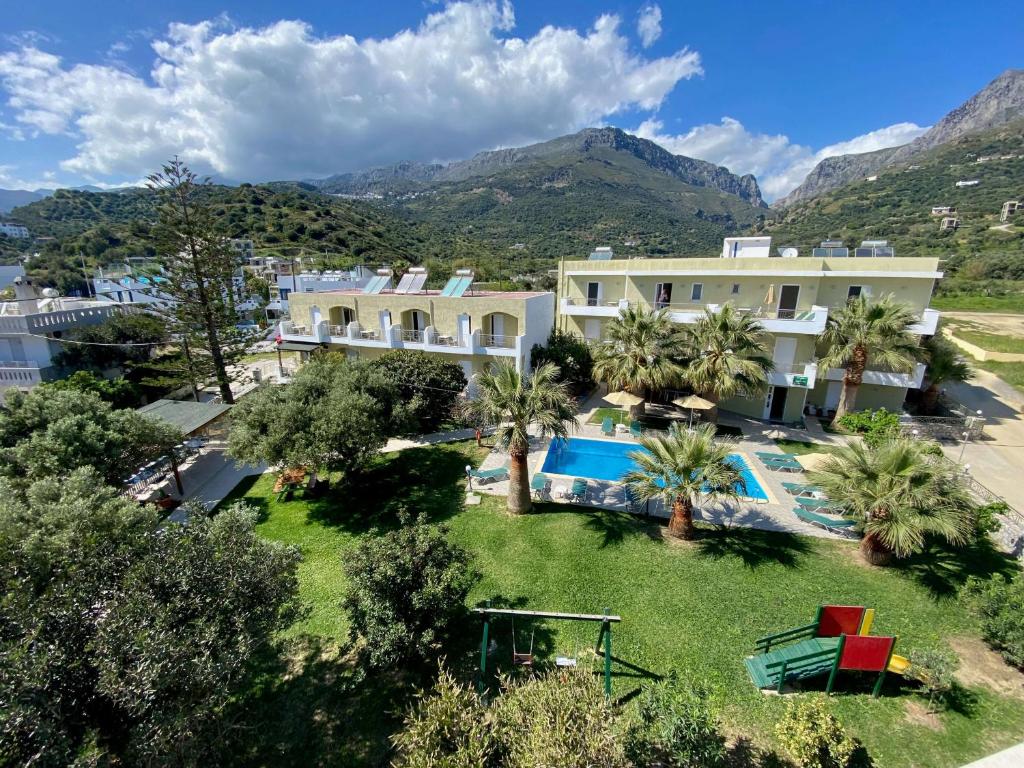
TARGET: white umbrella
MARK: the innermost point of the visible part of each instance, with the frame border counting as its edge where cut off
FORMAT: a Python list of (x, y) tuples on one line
[(623, 398), (813, 461), (694, 403)]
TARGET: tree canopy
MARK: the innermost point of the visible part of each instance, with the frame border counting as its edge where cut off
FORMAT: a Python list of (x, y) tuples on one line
[(123, 642), (429, 386), (51, 431), (334, 415)]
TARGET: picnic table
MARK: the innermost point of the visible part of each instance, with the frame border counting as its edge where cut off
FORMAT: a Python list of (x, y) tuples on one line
[(288, 481)]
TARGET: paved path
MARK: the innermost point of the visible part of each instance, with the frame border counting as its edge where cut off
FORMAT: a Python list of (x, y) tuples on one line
[(210, 478), (401, 443), (1008, 758)]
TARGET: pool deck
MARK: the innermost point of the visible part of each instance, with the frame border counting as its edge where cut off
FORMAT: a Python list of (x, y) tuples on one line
[(775, 514)]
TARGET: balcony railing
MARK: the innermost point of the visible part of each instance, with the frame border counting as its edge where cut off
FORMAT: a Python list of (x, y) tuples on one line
[(501, 342), (444, 340), (369, 335), (414, 337), (338, 330), (300, 330)]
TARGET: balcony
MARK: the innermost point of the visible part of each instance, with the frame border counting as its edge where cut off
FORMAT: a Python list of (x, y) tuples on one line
[(490, 341), (592, 307), (19, 374), (337, 331), (928, 324), (411, 337), (911, 380)]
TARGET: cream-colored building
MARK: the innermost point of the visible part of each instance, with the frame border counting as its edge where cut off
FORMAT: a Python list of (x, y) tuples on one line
[(471, 327), (791, 295)]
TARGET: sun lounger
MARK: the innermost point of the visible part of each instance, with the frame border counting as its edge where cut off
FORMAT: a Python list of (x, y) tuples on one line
[(578, 492), (633, 502), (835, 525), (635, 429), (608, 427), (798, 489), (489, 475), (540, 485), (812, 504)]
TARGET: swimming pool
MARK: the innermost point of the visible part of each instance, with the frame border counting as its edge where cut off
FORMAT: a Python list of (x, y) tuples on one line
[(609, 460)]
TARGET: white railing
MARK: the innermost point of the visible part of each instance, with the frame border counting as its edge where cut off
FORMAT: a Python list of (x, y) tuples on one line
[(414, 337), (338, 330), (368, 335), (502, 342), (300, 330), (581, 302), (446, 341)]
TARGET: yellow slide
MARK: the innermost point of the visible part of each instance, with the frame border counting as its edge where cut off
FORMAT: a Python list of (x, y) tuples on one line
[(899, 664)]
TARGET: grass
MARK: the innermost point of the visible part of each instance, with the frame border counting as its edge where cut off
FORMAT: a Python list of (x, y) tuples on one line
[(694, 608), (800, 448), (617, 415), (992, 342), (1011, 373), (1013, 303)]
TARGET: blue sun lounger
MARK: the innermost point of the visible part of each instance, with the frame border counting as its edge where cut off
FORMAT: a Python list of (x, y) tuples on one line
[(841, 525), (489, 475)]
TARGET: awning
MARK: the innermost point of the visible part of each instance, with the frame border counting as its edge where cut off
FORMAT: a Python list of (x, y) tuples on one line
[(299, 346), (186, 415)]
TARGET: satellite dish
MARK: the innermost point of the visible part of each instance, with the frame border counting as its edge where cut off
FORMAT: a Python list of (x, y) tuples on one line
[(790, 253)]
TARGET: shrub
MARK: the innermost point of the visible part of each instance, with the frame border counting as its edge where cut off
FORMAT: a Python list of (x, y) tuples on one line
[(405, 588), (429, 386), (875, 426), (562, 719), (986, 520), (447, 729), (999, 603), (935, 669), (570, 353), (813, 736), (675, 725)]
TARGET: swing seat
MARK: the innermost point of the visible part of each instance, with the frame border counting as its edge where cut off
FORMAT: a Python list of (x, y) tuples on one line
[(522, 659), (565, 661)]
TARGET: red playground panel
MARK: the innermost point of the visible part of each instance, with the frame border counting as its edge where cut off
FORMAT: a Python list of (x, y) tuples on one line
[(866, 653), (836, 620)]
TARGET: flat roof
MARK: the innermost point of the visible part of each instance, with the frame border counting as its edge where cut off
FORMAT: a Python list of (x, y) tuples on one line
[(430, 294), (186, 415)]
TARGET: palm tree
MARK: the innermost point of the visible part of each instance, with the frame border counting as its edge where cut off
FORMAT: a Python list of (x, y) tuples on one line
[(639, 353), (945, 364), (865, 330), (900, 491), (727, 356), (679, 468), (514, 402)]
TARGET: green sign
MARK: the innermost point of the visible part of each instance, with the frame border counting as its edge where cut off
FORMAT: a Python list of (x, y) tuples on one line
[(799, 381)]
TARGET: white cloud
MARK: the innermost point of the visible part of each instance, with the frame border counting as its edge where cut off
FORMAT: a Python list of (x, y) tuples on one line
[(281, 102), (779, 164), (648, 25)]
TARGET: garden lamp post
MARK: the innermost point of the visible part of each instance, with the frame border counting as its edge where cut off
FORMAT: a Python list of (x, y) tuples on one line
[(963, 446)]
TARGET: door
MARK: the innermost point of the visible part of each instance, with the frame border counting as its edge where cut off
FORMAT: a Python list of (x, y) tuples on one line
[(418, 320), (788, 298), (662, 295), (832, 394), (592, 329), (594, 294), (784, 354), (497, 325), (777, 407)]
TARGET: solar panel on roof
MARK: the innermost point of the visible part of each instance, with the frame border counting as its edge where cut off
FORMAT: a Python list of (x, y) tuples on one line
[(463, 286), (405, 283), (376, 285), (600, 256), (450, 286), (417, 283)]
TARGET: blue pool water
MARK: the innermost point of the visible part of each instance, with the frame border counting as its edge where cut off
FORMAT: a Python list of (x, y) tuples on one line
[(608, 460)]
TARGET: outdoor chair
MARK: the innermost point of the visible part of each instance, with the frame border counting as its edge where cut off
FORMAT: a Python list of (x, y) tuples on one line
[(843, 526), (489, 475), (817, 504), (608, 427), (578, 492), (798, 489), (541, 486), (635, 430)]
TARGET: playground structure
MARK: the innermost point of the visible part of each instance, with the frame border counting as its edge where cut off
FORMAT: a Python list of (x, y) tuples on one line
[(838, 639), (519, 659)]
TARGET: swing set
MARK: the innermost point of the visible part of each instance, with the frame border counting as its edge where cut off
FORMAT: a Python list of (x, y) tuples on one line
[(520, 659)]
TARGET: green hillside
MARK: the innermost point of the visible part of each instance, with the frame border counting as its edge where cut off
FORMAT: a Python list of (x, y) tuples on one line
[(106, 227), (564, 206), (897, 206)]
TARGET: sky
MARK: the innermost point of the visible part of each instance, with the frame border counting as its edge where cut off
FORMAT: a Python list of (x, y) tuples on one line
[(102, 93)]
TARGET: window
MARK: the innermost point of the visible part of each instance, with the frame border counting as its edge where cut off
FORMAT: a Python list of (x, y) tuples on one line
[(854, 291), (662, 295), (284, 294), (735, 288), (593, 294), (696, 291)]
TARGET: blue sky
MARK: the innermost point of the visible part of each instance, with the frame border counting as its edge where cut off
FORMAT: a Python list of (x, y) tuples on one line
[(99, 93)]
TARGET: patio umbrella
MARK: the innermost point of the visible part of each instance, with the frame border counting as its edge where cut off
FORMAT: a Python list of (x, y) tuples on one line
[(813, 461), (770, 297), (623, 398), (694, 403)]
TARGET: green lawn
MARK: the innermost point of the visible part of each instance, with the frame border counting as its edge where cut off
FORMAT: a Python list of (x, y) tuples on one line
[(1011, 373), (617, 415), (694, 608), (800, 448), (993, 342), (979, 303)]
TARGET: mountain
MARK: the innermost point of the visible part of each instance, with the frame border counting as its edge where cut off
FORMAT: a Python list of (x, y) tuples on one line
[(998, 103), (898, 204), (12, 198), (407, 176), (562, 197)]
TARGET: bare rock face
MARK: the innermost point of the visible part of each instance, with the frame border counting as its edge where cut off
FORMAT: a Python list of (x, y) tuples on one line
[(999, 102)]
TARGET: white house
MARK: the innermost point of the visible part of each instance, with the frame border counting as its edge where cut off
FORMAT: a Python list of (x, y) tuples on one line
[(15, 231)]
